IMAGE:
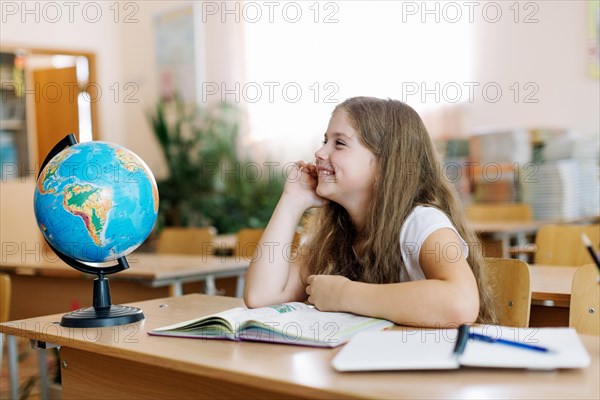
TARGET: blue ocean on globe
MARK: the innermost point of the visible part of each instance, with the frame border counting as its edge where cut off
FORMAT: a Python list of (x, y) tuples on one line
[(96, 201)]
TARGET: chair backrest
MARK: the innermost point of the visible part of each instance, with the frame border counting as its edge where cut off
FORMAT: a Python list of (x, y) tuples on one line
[(496, 212), (584, 310), (4, 297), (509, 279), (175, 240), (248, 238), (562, 244), (246, 242)]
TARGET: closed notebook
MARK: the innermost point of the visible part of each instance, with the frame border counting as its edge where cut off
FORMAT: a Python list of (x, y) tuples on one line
[(435, 349)]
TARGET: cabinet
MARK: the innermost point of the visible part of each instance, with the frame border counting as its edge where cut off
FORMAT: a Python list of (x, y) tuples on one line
[(14, 140), (44, 94)]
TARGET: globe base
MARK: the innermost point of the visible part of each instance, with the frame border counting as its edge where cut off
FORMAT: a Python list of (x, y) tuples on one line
[(91, 317)]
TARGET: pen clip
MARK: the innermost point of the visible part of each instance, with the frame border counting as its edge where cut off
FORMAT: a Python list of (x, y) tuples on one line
[(461, 340)]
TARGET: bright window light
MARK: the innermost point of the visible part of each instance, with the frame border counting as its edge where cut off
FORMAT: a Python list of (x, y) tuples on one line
[(298, 72)]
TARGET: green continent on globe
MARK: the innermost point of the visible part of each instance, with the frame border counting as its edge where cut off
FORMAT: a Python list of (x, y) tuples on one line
[(51, 170), (91, 204)]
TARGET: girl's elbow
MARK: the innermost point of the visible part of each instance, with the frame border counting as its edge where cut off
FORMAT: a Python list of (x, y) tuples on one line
[(464, 312), (251, 300), (255, 299)]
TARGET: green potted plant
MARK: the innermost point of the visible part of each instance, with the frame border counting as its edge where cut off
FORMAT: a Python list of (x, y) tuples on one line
[(199, 146)]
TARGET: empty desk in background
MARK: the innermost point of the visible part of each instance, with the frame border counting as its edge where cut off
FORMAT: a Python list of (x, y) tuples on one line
[(496, 236), (46, 285), (550, 294), (124, 362)]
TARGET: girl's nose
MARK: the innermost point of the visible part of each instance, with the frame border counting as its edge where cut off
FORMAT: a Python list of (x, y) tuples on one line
[(321, 153)]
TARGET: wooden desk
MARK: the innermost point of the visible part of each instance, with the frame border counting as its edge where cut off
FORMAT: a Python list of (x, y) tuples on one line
[(43, 284), (496, 236), (124, 362), (550, 294), (551, 283)]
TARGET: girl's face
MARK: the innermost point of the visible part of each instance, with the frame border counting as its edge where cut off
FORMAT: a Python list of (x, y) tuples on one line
[(346, 168)]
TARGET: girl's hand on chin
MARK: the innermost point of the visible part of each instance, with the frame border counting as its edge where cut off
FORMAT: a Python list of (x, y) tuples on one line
[(301, 185)]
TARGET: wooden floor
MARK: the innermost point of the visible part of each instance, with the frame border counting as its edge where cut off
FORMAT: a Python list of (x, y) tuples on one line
[(28, 372)]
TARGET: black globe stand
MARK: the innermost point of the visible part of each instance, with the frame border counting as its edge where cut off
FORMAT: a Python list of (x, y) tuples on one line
[(103, 313)]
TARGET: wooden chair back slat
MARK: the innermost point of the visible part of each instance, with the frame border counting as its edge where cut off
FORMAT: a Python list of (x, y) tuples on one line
[(584, 310), (562, 244), (510, 282)]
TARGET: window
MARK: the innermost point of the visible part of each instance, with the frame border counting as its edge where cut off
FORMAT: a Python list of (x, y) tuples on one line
[(298, 71)]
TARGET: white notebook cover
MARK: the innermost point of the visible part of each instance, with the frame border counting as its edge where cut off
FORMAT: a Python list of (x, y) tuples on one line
[(433, 349)]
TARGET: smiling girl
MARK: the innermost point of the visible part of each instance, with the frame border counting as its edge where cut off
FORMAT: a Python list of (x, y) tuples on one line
[(387, 236)]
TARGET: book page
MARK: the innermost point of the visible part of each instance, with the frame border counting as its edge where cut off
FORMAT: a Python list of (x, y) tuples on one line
[(231, 319), (298, 323), (290, 323)]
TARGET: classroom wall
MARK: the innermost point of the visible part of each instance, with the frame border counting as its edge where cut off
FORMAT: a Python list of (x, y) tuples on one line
[(550, 54)]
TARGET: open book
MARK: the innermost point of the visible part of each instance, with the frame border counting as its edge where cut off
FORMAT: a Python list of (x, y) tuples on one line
[(291, 323), (436, 349)]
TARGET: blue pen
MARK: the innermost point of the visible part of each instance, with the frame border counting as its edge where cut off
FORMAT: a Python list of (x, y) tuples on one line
[(488, 339)]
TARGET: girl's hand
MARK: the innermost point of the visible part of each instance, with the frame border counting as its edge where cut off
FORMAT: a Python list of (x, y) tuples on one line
[(326, 291), (301, 185)]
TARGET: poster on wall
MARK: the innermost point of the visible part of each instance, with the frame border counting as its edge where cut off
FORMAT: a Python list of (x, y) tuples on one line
[(175, 54), (594, 38)]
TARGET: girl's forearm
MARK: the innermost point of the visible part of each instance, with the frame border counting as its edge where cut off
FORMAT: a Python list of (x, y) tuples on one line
[(269, 268), (427, 303)]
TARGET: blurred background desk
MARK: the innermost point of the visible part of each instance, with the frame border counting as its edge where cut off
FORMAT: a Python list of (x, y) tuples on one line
[(46, 285), (550, 294), (496, 236)]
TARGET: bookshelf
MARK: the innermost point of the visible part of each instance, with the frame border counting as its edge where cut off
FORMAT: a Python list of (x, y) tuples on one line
[(14, 138)]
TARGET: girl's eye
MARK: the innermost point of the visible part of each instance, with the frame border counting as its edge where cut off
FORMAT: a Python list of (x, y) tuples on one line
[(337, 142)]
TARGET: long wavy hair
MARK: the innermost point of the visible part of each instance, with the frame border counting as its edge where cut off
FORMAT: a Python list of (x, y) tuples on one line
[(409, 175)]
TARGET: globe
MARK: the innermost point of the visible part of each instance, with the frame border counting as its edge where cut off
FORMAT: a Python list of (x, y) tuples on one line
[(96, 201)]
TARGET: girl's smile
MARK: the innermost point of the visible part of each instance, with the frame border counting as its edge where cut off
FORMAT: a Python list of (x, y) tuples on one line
[(325, 171)]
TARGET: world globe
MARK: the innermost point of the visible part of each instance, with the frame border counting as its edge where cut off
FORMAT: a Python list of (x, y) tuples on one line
[(96, 201)]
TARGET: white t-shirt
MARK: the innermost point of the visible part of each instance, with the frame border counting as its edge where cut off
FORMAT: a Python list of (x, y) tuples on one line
[(419, 224)]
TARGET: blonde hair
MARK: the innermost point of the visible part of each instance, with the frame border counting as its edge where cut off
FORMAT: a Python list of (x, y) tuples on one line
[(409, 175)]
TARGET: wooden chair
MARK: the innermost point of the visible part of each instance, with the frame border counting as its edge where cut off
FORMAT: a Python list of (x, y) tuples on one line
[(562, 244), (190, 241), (248, 238), (246, 242), (499, 212), (509, 279), (584, 310)]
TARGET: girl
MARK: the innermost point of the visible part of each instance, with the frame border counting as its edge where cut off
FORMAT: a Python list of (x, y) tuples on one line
[(387, 238)]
